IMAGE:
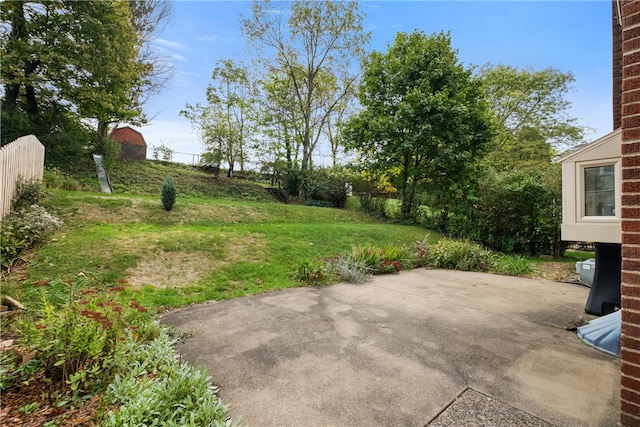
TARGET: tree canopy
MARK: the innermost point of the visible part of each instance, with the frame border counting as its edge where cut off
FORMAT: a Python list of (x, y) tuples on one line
[(225, 123), (530, 111), (424, 119), (66, 61), (313, 50)]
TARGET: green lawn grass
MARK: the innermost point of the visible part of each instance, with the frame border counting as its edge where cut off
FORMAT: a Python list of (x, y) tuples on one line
[(203, 249)]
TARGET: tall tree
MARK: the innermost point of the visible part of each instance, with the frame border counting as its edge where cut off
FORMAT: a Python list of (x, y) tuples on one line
[(529, 110), (225, 122), (424, 117), (69, 59), (66, 61), (279, 120), (317, 42), (149, 18)]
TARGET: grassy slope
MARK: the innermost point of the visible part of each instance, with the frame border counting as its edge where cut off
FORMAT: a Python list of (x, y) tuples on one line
[(203, 249), (145, 178)]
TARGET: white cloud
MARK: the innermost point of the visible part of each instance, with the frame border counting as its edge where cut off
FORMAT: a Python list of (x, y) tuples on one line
[(177, 57), (208, 38), (376, 27), (170, 44)]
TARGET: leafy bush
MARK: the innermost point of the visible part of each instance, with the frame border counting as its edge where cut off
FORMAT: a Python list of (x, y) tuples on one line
[(168, 194), (23, 229), (374, 205), (162, 152), (422, 253), (55, 178), (112, 150), (382, 260), (75, 344), (311, 272), (367, 255), (461, 255), (349, 269), (326, 185), (155, 388), (515, 212), (28, 192), (292, 181)]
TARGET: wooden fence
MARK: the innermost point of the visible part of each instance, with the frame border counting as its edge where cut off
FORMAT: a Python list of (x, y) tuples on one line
[(22, 159)]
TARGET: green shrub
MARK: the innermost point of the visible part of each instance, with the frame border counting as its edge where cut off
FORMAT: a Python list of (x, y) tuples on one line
[(422, 255), (75, 345), (368, 255), (326, 185), (374, 205), (519, 212), (23, 229), (383, 260), (168, 194), (292, 181), (55, 178), (311, 272), (461, 255), (112, 150), (156, 388), (28, 192)]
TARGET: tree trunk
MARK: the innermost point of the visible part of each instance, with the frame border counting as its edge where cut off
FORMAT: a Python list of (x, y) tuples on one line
[(101, 137), (406, 204)]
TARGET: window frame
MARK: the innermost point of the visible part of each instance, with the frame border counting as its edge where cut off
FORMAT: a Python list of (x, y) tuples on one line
[(581, 184)]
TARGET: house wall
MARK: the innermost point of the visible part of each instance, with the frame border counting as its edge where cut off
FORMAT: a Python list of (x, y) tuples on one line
[(630, 288), (576, 224)]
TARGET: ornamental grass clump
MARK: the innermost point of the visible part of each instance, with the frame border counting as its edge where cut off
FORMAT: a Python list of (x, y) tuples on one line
[(349, 269), (168, 194)]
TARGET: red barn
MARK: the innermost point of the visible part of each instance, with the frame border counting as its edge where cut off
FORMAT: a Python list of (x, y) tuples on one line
[(132, 143)]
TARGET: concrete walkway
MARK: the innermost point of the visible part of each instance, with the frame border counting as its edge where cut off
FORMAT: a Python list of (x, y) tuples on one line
[(424, 347)]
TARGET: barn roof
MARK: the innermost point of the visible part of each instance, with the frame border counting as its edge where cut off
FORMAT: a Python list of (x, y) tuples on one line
[(128, 134)]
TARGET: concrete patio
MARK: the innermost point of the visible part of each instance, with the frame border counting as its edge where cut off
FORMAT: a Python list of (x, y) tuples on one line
[(423, 347)]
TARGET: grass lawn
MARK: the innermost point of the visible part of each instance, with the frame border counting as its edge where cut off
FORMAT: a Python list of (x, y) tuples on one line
[(203, 249)]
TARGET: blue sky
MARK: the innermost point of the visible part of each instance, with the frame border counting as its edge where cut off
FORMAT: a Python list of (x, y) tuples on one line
[(570, 36)]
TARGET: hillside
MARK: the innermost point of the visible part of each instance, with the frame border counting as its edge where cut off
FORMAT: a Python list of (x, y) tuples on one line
[(145, 178)]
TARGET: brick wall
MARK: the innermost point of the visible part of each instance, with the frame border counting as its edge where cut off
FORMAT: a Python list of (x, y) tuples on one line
[(617, 65), (629, 110)]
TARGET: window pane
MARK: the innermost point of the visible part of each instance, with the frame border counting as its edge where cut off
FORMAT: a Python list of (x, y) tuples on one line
[(599, 191)]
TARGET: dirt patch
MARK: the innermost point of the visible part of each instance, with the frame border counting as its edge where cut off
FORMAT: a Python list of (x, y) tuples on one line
[(120, 210), (170, 269), (179, 268), (556, 271)]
